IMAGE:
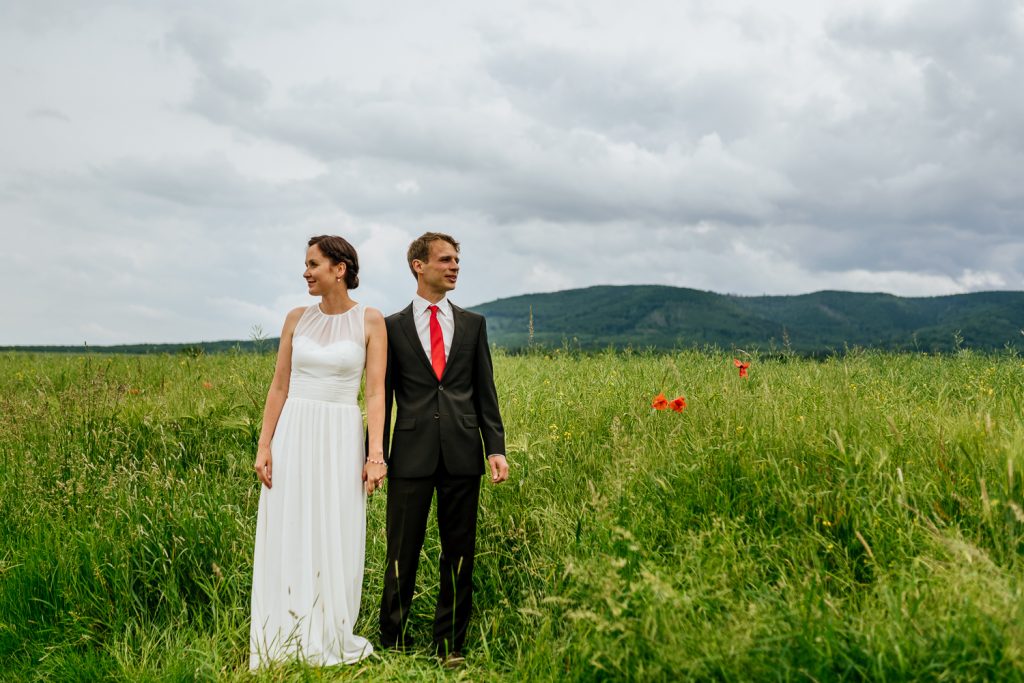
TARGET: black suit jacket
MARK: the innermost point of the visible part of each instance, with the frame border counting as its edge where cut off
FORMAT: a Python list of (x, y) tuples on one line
[(444, 418)]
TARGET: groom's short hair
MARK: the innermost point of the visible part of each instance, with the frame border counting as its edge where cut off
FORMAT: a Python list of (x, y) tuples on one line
[(419, 250)]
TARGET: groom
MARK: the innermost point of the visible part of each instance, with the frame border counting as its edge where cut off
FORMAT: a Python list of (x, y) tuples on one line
[(439, 375)]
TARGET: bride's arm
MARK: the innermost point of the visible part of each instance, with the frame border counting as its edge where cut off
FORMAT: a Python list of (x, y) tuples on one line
[(376, 363), (275, 398)]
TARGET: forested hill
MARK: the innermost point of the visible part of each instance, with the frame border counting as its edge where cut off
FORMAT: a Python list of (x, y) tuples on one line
[(654, 316), (190, 349), (662, 317)]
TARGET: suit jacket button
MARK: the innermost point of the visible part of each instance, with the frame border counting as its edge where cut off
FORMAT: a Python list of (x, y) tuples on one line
[(437, 416), (440, 387)]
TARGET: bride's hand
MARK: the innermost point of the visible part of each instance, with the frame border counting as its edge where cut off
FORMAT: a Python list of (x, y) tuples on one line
[(373, 476), (264, 465)]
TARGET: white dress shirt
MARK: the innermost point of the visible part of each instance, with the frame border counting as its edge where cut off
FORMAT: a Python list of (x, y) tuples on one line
[(421, 314)]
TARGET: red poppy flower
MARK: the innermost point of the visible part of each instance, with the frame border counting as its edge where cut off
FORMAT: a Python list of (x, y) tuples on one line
[(660, 402), (678, 403), (207, 385), (742, 366)]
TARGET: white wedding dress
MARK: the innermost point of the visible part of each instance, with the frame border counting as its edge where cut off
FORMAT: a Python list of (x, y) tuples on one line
[(311, 529)]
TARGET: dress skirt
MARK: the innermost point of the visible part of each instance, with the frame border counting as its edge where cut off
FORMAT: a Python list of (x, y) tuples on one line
[(311, 539)]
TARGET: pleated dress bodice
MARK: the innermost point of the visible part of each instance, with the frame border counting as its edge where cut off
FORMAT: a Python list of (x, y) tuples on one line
[(328, 356)]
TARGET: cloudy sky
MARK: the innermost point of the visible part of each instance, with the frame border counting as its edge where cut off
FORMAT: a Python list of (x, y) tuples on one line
[(162, 163)]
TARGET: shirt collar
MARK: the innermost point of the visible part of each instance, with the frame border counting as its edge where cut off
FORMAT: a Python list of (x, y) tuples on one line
[(419, 306)]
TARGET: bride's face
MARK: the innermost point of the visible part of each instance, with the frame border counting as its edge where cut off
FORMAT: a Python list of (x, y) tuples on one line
[(320, 273)]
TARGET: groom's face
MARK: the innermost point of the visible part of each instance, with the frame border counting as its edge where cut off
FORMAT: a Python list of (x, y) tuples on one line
[(441, 270)]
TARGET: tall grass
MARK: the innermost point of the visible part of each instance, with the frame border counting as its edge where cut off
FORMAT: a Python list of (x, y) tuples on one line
[(860, 517)]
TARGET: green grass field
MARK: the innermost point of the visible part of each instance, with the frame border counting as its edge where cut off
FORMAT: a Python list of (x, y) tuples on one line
[(858, 518)]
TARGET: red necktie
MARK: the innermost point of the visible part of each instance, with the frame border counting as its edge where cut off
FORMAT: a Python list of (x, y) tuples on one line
[(436, 343)]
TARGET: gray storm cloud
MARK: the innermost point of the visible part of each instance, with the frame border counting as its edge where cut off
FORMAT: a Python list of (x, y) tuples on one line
[(722, 147)]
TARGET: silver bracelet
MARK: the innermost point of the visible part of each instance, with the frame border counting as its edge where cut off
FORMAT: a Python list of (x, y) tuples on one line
[(377, 462)]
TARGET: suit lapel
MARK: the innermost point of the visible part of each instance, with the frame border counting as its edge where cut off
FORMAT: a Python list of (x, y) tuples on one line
[(408, 325), (459, 319)]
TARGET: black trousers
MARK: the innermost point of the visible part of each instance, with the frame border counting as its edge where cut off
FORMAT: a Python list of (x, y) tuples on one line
[(407, 511)]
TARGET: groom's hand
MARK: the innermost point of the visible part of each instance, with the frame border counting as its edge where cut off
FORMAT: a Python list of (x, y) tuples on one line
[(499, 468)]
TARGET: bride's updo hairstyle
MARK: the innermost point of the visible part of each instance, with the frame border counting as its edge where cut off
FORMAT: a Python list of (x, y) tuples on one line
[(338, 250)]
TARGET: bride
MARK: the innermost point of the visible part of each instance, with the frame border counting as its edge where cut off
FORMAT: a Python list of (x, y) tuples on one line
[(311, 528)]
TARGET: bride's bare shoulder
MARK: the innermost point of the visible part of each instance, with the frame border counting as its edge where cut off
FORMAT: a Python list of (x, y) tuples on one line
[(292, 319)]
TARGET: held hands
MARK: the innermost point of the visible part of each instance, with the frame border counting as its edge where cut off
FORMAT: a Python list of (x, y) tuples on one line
[(499, 468), (264, 465), (374, 473)]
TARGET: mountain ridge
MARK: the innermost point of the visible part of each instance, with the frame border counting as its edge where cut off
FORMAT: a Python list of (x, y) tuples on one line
[(663, 317)]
